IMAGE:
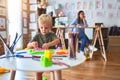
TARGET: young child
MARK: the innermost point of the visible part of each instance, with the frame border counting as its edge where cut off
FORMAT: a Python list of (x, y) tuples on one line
[(46, 39), (80, 24)]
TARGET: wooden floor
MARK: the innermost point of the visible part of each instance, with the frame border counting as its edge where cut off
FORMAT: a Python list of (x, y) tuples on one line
[(95, 69)]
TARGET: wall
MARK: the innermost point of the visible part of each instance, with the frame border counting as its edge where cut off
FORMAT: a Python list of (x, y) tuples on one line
[(106, 11)]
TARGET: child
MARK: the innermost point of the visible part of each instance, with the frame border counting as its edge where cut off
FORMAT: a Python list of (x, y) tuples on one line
[(81, 22), (46, 39)]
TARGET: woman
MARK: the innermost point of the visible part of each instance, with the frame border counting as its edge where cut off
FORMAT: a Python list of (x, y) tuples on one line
[(80, 23)]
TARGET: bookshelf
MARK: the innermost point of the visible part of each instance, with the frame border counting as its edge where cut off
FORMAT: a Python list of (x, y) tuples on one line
[(3, 23)]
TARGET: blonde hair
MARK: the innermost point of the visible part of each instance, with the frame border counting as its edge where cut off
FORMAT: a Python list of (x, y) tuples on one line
[(45, 19)]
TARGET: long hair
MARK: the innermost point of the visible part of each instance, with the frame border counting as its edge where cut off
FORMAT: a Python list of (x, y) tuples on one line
[(78, 16)]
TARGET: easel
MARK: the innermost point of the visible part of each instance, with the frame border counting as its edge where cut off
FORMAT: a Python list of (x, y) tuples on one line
[(98, 35), (59, 33)]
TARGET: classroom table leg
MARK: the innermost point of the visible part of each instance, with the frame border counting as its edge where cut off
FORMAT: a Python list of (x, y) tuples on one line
[(58, 75), (12, 75), (52, 76), (38, 76)]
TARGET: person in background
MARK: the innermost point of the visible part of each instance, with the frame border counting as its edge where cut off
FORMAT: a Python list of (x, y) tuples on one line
[(45, 39), (80, 23)]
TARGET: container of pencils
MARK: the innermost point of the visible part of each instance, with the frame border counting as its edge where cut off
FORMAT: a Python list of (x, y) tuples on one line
[(72, 44)]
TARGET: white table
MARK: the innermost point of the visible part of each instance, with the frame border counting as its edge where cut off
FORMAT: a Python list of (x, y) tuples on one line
[(28, 64)]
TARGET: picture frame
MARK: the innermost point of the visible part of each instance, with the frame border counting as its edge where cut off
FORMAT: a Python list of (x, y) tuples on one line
[(2, 23), (33, 17)]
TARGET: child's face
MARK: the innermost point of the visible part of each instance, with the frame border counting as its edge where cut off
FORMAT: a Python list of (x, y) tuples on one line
[(44, 28)]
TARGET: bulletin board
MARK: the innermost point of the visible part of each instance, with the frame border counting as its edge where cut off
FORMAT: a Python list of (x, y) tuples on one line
[(105, 11)]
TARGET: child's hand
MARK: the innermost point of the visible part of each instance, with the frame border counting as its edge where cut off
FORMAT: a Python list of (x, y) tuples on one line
[(45, 46), (35, 44)]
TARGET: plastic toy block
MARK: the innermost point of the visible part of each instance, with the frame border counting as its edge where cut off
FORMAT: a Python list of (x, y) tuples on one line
[(35, 52), (45, 62), (39, 52), (62, 52), (4, 70), (48, 54), (44, 78)]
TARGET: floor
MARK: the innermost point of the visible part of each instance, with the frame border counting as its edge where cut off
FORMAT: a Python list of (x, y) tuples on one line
[(95, 69)]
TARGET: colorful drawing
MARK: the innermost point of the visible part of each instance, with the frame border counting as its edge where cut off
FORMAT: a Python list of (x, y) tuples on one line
[(100, 14), (79, 5), (111, 14), (92, 4), (72, 6), (85, 5), (99, 4)]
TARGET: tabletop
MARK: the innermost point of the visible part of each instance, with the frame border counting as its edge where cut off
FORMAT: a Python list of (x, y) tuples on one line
[(29, 64)]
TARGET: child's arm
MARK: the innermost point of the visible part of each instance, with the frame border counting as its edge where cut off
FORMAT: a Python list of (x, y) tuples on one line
[(52, 43), (32, 45)]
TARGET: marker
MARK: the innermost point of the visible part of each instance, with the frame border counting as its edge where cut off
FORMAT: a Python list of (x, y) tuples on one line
[(21, 56)]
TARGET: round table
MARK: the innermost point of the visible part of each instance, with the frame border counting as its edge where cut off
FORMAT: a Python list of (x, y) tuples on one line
[(29, 64)]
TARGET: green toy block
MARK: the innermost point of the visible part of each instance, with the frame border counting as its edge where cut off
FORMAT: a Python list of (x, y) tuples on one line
[(45, 62), (39, 52), (44, 78)]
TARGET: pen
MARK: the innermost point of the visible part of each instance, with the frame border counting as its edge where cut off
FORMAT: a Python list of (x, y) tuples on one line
[(21, 56), (58, 56)]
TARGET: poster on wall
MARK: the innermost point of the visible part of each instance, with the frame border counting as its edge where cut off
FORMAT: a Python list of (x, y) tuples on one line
[(86, 5), (2, 23), (99, 14), (110, 5), (79, 5), (33, 7), (33, 17), (111, 14), (99, 4), (92, 4)]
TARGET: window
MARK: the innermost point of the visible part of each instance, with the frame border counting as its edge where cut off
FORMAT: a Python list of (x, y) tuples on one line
[(14, 20)]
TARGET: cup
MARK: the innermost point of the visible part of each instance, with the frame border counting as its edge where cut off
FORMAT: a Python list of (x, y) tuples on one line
[(72, 44)]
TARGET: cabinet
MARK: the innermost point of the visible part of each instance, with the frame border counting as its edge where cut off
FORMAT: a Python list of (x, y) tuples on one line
[(3, 23)]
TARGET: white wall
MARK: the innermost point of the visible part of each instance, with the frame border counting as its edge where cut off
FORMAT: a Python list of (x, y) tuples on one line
[(108, 11)]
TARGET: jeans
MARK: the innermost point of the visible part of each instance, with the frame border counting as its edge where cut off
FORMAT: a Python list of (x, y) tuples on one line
[(84, 39)]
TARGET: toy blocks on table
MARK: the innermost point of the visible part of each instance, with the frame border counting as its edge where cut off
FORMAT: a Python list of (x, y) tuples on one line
[(46, 60)]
